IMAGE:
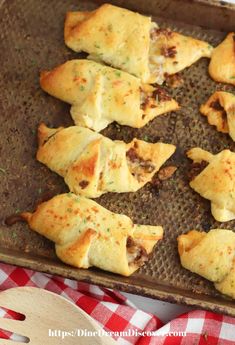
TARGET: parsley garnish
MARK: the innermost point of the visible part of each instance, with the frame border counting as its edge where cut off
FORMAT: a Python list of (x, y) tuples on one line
[(146, 138), (110, 27), (118, 74)]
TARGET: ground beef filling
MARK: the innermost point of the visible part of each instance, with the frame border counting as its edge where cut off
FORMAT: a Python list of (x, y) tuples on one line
[(156, 32), (196, 169), (158, 95), (169, 52), (137, 164), (136, 254), (217, 106)]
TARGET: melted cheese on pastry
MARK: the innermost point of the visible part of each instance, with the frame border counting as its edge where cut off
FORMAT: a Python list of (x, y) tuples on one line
[(131, 42), (92, 164), (216, 182), (100, 95), (211, 255), (86, 234), (222, 65), (220, 111)]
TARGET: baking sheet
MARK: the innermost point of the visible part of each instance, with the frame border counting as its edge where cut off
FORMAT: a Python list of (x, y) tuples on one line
[(32, 40)]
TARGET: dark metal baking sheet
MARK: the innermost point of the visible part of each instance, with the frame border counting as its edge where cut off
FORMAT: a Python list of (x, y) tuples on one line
[(32, 40)]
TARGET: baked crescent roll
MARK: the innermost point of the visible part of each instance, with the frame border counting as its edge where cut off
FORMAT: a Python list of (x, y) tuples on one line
[(220, 112), (92, 164), (222, 64), (216, 181), (178, 51), (131, 42), (211, 255), (100, 95), (86, 234)]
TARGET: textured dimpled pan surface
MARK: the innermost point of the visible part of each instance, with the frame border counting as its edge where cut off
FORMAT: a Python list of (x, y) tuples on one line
[(32, 40)]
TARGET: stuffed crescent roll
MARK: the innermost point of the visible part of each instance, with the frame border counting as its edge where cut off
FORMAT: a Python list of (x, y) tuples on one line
[(222, 64), (131, 42), (211, 255), (220, 111), (100, 95), (92, 164), (86, 234), (215, 181)]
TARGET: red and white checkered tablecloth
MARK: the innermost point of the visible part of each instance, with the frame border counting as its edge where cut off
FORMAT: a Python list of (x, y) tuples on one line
[(116, 314)]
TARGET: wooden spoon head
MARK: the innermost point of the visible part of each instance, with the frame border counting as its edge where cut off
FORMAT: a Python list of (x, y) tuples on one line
[(49, 318)]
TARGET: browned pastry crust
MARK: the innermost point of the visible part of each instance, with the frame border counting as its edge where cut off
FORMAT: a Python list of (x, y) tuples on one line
[(132, 42), (92, 164), (100, 95), (211, 255), (86, 234), (220, 111), (216, 181), (222, 64)]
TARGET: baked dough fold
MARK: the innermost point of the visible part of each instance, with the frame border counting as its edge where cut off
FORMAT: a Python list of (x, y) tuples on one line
[(177, 51), (131, 42), (100, 95), (92, 164), (222, 64), (220, 111), (211, 255), (216, 182), (86, 234)]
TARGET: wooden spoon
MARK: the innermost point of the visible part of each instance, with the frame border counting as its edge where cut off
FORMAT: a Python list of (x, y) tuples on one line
[(46, 311)]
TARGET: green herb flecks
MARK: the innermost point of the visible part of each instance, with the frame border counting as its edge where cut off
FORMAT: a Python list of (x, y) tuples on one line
[(110, 27), (146, 138), (82, 88), (3, 171), (118, 74)]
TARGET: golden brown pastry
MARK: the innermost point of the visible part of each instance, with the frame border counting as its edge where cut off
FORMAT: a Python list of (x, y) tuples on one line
[(211, 255), (222, 64), (100, 95), (176, 51), (86, 234), (92, 164), (220, 111), (131, 42), (216, 182)]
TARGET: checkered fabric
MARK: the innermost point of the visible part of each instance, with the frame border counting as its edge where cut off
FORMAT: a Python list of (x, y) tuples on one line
[(116, 314)]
